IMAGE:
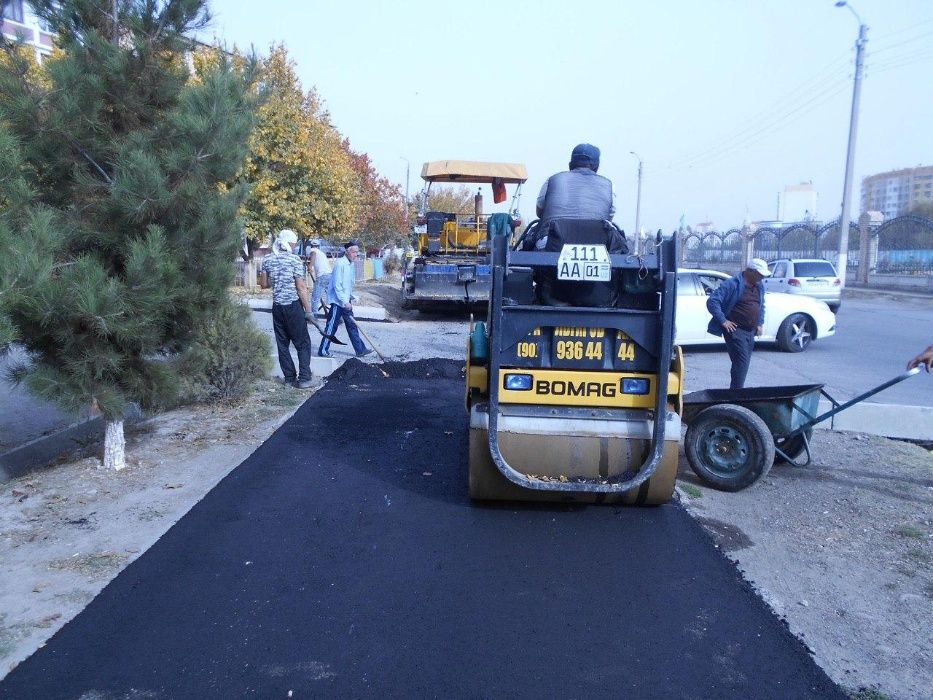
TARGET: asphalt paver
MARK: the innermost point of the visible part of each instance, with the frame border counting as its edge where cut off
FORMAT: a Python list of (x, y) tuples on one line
[(344, 559)]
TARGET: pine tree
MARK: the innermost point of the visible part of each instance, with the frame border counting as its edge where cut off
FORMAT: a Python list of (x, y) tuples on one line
[(125, 246)]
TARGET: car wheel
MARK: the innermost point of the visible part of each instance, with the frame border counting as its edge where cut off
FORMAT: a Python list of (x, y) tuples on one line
[(729, 447), (796, 333)]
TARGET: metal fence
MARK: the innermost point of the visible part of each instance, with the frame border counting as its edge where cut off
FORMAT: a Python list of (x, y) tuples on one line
[(903, 245)]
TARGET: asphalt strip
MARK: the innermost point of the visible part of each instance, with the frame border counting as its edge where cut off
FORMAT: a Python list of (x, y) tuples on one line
[(344, 558)]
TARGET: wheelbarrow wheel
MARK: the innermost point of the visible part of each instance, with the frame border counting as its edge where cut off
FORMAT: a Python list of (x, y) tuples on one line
[(729, 447), (792, 447)]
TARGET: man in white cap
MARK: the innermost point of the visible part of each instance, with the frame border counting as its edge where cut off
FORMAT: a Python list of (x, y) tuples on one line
[(738, 309), (320, 270), (285, 273), (340, 297)]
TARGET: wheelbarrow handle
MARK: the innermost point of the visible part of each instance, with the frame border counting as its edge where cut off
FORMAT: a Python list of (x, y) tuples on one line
[(838, 407)]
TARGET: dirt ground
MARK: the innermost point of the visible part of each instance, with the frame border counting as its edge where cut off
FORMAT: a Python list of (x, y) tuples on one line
[(842, 549)]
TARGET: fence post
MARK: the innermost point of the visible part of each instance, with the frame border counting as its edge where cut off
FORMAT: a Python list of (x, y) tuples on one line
[(864, 246), (748, 244)]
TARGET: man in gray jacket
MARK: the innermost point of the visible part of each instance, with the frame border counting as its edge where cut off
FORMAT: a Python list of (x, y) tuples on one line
[(578, 193)]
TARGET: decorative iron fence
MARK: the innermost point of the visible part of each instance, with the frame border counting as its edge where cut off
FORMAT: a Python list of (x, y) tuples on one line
[(903, 245)]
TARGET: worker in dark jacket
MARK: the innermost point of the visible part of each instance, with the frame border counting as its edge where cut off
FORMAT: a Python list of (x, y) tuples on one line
[(738, 309)]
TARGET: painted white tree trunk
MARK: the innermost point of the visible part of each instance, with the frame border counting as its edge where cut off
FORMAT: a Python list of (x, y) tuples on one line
[(114, 446)]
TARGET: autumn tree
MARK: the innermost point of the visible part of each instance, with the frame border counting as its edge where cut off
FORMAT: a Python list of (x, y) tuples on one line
[(381, 219), (129, 234), (300, 174), (452, 199)]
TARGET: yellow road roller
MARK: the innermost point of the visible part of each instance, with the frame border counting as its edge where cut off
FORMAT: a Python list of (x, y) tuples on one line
[(573, 384)]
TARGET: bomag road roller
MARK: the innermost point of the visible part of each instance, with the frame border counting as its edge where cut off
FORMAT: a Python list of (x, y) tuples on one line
[(573, 383)]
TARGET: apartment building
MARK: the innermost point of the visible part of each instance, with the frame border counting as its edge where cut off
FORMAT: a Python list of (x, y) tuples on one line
[(895, 192), (20, 22)]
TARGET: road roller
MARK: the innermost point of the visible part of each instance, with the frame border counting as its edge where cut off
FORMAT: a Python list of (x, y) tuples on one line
[(574, 385)]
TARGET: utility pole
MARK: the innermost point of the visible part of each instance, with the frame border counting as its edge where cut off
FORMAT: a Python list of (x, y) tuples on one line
[(843, 261), (638, 205), (407, 183)]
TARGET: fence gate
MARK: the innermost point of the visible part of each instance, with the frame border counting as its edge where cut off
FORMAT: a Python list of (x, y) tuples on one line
[(905, 246)]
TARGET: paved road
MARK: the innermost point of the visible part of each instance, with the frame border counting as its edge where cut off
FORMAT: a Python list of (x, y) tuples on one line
[(22, 417), (344, 559), (874, 340)]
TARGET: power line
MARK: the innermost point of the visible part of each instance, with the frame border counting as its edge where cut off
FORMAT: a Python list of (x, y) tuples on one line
[(777, 120), (900, 44), (912, 27), (753, 123), (765, 131), (919, 58)]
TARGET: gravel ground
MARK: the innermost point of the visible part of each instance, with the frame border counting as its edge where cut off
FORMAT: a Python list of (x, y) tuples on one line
[(842, 549)]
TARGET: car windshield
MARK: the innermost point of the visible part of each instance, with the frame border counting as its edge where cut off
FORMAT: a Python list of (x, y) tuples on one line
[(817, 268)]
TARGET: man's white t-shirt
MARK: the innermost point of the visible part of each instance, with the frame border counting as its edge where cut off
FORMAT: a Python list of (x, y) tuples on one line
[(321, 263)]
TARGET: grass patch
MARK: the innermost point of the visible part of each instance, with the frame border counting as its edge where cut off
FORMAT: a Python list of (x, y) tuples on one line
[(284, 397), (868, 694), (920, 556), (691, 490), (910, 531)]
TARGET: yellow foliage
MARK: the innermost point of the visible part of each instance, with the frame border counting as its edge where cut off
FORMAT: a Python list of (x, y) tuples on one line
[(300, 174)]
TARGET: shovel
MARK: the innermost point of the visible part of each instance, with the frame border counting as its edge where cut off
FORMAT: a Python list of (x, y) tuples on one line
[(332, 338)]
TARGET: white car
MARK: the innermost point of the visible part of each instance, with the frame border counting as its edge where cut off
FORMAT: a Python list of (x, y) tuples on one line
[(792, 321)]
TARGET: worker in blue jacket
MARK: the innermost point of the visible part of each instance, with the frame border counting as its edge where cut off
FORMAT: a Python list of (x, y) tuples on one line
[(340, 297), (738, 309)]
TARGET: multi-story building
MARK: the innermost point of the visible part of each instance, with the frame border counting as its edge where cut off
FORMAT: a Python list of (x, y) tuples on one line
[(20, 22), (895, 192), (799, 202)]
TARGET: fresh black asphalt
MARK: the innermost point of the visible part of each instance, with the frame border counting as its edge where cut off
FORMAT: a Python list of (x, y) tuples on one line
[(345, 559)]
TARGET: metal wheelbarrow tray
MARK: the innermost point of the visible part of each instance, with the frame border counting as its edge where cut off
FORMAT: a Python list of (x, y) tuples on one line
[(735, 435)]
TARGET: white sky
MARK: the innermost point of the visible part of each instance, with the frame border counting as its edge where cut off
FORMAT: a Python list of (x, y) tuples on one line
[(727, 101)]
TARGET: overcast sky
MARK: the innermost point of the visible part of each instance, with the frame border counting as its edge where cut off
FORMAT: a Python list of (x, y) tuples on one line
[(726, 101)]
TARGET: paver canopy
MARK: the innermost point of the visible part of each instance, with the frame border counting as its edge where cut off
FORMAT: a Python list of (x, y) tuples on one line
[(468, 171)]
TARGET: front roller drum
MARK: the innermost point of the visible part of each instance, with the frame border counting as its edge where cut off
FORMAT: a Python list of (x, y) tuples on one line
[(555, 456), (729, 447)]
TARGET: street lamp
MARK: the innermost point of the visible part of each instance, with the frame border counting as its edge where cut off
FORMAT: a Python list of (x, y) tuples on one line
[(407, 182), (638, 203), (843, 261)]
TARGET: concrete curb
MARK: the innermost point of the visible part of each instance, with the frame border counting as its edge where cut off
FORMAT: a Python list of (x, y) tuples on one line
[(884, 419)]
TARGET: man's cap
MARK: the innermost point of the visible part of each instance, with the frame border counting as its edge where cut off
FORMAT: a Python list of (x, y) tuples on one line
[(584, 154), (286, 235), (349, 244), (315, 243), (759, 266)]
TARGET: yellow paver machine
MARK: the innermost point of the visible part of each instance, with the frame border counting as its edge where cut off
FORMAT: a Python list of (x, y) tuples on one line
[(452, 259), (574, 386)]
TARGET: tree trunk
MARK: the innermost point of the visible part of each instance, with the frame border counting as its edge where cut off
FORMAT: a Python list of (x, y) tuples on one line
[(114, 446)]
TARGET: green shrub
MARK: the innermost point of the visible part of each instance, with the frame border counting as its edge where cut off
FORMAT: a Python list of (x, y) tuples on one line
[(226, 358)]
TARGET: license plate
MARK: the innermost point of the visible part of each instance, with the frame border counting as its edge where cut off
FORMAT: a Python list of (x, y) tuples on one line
[(818, 282), (584, 263)]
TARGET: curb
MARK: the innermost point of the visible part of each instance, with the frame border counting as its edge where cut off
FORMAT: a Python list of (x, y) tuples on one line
[(363, 313), (884, 419)]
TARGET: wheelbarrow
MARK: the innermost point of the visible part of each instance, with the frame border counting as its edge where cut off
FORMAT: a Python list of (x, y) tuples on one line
[(734, 436)]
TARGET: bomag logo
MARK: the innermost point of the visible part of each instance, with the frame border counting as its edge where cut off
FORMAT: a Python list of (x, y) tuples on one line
[(560, 387)]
